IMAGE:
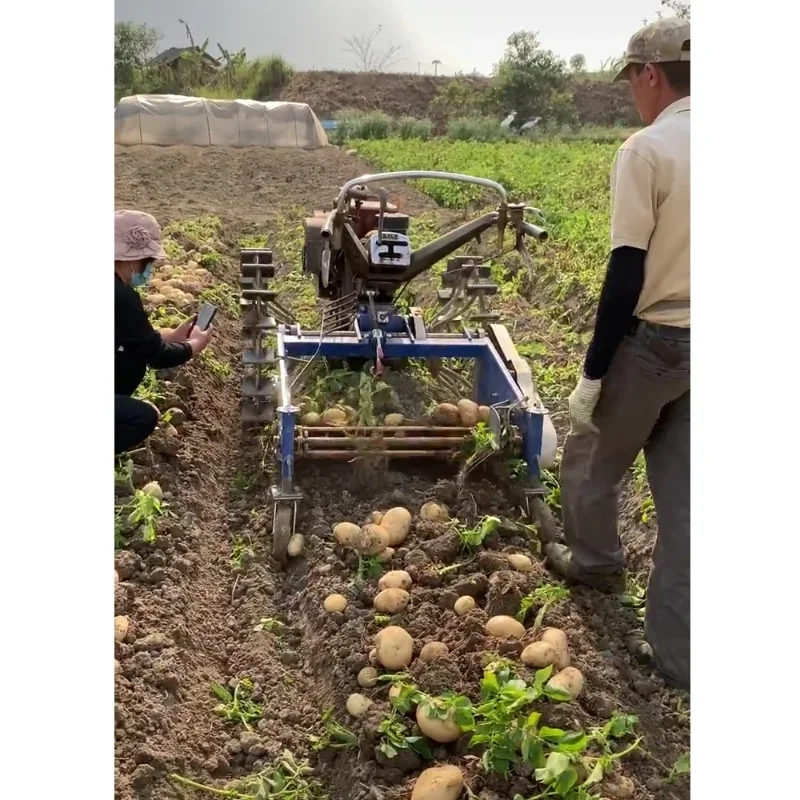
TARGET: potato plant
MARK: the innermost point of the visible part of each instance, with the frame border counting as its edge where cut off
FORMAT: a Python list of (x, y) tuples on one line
[(236, 705)]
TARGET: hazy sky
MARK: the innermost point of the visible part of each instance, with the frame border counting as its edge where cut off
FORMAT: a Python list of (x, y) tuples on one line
[(462, 34)]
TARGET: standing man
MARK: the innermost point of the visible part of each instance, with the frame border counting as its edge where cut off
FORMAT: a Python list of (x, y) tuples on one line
[(634, 392)]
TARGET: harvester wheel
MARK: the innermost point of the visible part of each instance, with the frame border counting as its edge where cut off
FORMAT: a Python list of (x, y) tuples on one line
[(281, 532)]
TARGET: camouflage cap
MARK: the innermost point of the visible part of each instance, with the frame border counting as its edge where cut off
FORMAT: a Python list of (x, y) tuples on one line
[(660, 41)]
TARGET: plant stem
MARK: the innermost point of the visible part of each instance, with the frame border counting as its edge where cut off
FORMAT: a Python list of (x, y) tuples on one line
[(195, 785)]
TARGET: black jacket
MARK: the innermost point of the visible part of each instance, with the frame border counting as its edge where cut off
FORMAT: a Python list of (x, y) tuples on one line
[(137, 344)]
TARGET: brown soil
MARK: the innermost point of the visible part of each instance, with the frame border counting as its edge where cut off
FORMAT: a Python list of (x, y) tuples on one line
[(400, 94), (192, 614)]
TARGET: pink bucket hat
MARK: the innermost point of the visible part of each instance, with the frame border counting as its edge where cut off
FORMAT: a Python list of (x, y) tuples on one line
[(136, 235)]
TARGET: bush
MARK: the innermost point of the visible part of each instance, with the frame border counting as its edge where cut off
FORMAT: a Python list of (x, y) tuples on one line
[(362, 125), (411, 128), (265, 77), (476, 129)]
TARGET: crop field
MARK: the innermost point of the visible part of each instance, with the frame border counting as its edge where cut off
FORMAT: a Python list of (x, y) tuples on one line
[(346, 676)]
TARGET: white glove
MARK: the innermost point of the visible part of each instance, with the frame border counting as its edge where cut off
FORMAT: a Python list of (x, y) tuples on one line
[(581, 405)]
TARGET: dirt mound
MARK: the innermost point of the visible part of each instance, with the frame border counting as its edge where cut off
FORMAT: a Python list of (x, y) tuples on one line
[(399, 94), (208, 610)]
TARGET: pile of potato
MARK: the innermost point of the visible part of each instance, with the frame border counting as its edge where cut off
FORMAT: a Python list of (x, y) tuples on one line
[(465, 413)]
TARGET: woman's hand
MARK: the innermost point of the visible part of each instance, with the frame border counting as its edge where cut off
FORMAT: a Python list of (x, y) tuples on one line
[(199, 339), (180, 334)]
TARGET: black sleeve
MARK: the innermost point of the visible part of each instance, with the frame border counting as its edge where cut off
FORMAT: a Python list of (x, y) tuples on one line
[(137, 335), (618, 298)]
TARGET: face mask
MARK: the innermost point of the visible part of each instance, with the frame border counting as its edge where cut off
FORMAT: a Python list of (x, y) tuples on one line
[(142, 278)]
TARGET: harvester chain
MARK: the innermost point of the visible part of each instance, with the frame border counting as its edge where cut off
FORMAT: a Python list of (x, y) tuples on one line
[(260, 311), (465, 283)]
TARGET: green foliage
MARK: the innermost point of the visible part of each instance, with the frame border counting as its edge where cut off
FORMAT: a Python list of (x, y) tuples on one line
[(477, 129), (396, 737), (473, 538), (334, 735), (236, 706), (411, 128), (241, 552), (460, 97), (532, 81), (139, 516), (271, 625), (133, 47), (544, 598)]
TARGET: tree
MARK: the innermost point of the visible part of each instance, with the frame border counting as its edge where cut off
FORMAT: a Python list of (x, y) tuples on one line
[(436, 63), (133, 47), (679, 9), (578, 63), (367, 57), (532, 81)]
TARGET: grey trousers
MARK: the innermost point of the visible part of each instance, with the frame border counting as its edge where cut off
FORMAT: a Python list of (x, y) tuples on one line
[(644, 404)]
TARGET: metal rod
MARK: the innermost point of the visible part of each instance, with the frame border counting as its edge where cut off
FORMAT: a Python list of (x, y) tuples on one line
[(398, 442), (353, 455), (405, 176), (345, 430)]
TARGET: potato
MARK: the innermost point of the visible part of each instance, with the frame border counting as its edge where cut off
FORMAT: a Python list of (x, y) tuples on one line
[(391, 601), (376, 517), (154, 490), (396, 579), (464, 605), (385, 555), (395, 647), (433, 651), (539, 655), (117, 667), (296, 544), (484, 414), (434, 512), (619, 787), (468, 413), (505, 627), (397, 522), (120, 628), (311, 420), (446, 415), (357, 704), (372, 539), (558, 639), (394, 420), (520, 562), (116, 577), (335, 603), (346, 533), (439, 783), (569, 679), (308, 406), (373, 657), (368, 677), (350, 413), (334, 417), (440, 730)]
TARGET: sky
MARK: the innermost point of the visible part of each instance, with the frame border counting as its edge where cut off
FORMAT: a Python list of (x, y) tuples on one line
[(465, 35)]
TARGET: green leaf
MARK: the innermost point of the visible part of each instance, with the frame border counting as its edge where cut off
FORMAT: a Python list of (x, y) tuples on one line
[(552, 734), (596, 775), (533, 752), (222, 693), (565, 781), (555, 765), (573, 742), (554, 693), (681, 765), (542, 676), (388, 750), (420, 745), (533, 719)]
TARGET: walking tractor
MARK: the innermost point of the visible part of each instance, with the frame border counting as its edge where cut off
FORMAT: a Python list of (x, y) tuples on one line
[(362, 259)]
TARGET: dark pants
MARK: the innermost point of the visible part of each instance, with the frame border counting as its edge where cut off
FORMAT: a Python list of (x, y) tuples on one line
[(644, 404), (134, 421)]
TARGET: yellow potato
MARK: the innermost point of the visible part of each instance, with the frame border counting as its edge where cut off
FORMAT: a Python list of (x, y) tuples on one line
[(440, 730), (520, 562), (484, 414), (504, 627), (434, 512), (335, 603), (368, 677), (464, 605), (433, 651), (311, 420), (334, 417), (446, 415), (393, 420), (439, 783), (373, 657), (569, 679), (296, 544), (372, 539), (391, 601), (154, 490), (539, 655), (396, 579), (619, 787), (397, 523), (120, 628), (357, 704), (468, 413), (395, 647), (385, 555), (346, 533), (558, 639), (350, 413), (376, 517)]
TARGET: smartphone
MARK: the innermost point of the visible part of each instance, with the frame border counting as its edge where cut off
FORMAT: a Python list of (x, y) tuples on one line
[(205, 316)]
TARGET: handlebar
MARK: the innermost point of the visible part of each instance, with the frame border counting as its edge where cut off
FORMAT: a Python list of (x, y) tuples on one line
[(534, 231)]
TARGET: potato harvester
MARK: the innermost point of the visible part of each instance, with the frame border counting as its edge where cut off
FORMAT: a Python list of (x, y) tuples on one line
[(361, 258)]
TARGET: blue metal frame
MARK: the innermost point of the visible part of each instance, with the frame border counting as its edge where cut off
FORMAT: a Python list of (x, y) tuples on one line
[(495, 384)]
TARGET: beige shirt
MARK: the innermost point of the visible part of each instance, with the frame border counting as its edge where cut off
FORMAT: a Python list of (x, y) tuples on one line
[(650, 201)]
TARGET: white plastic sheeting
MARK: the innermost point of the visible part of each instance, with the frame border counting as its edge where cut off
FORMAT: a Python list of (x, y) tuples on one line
[(168, 119)]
